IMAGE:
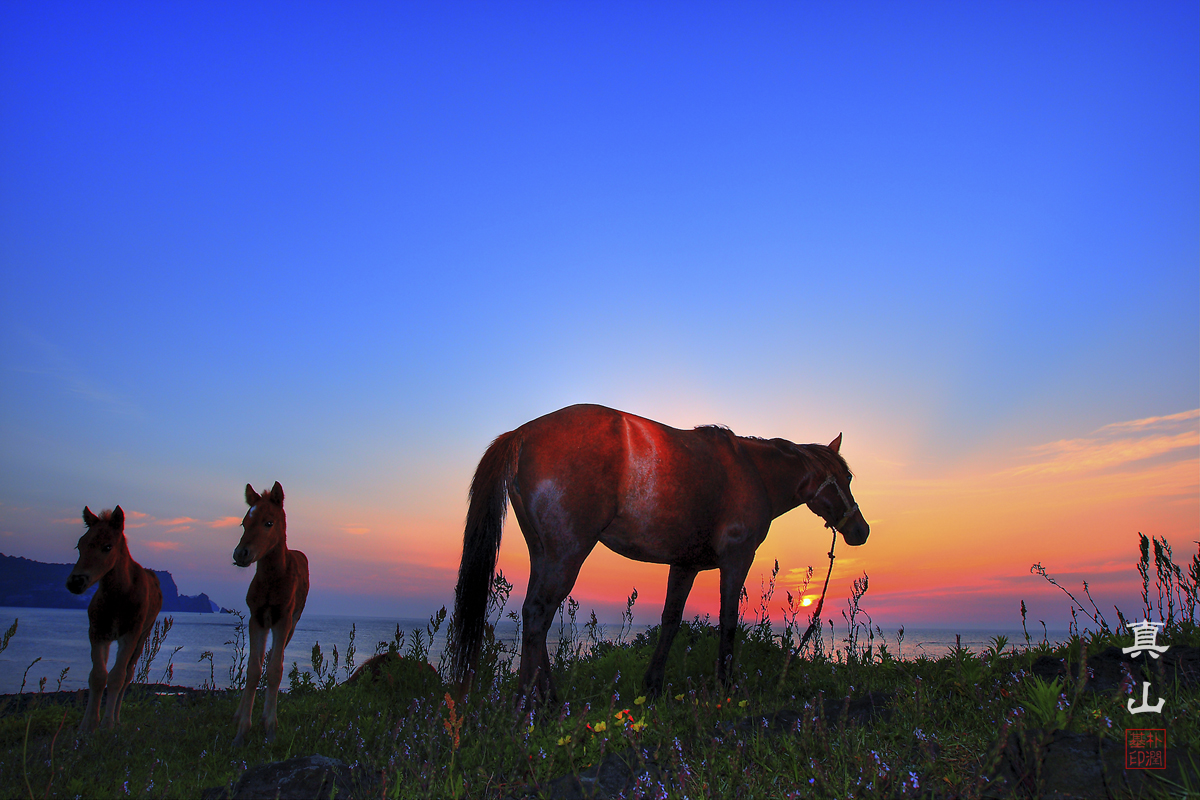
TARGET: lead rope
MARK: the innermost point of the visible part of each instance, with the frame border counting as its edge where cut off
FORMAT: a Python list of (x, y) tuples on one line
[(816, 617)]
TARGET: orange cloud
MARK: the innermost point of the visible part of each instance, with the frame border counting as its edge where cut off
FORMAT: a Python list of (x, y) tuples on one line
[(160, 546), (225, 522), (357, 530)]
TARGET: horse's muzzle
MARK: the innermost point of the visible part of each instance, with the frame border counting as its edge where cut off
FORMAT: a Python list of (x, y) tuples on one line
[(241, 556), (76, 584), (856, 533)]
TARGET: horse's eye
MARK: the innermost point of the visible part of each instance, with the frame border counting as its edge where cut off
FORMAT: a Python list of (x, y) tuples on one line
[(107, 547), (268, 523)]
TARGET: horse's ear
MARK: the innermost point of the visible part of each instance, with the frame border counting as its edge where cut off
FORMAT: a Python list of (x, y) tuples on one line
[(118, 518), (252, 497), (277, 494), (836, 444), (89, 518)]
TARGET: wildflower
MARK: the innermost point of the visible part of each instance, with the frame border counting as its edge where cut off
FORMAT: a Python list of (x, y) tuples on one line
[(599, 727), (678, 697), (641, 701), (565, 740), (454, 724), (743, 703)]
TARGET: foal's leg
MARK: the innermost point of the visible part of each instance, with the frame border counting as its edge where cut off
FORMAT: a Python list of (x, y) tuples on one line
[(733, 578), (679, 585), (116, 678), (96, 683), (258, 644), (130, 669), (280, 635)]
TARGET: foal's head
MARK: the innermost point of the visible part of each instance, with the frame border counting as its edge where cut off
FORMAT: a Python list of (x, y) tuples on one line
[(263, 527), (100, 547), (831, 499)]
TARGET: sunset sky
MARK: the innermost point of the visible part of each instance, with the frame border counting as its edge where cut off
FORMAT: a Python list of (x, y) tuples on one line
[(345, 247)]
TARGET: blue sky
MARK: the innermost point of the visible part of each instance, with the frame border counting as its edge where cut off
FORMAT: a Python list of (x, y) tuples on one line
[(344, 247)]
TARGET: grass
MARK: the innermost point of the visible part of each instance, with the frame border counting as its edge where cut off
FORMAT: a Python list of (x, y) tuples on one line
[(942, 736)]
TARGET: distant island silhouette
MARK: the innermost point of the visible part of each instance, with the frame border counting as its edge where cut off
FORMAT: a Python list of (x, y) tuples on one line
[(33, 584)]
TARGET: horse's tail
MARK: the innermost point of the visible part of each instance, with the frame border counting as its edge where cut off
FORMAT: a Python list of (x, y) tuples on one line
[(481, 546)]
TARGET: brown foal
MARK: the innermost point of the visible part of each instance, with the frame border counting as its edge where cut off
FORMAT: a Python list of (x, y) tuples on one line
[(123, 610), (276, 600)]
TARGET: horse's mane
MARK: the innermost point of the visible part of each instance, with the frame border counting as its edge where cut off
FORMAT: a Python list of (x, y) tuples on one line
[(822, 455), (105, 515), (819, 453)]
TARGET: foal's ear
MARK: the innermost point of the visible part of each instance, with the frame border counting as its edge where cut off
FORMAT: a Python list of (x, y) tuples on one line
[(118, 518), (836, 444), (252, 497), (277, 494), (89, 518)]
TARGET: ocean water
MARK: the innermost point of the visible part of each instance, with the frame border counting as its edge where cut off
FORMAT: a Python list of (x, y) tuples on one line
[(58, 637)]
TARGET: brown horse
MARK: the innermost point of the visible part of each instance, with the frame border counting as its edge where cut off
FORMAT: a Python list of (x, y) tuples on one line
[(123, 609), (699, 499), (276, 600)]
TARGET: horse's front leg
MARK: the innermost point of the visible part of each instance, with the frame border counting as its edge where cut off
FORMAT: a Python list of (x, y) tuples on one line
[(96, 682), (279, 637), (129, 647), (679, 585), (130, 668), (733, 579), (258, 645)]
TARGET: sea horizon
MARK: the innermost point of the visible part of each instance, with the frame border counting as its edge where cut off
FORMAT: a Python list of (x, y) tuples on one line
[(49, 641)]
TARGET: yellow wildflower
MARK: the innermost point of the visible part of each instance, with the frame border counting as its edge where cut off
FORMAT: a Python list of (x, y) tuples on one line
[(641, 701), (600, 727)]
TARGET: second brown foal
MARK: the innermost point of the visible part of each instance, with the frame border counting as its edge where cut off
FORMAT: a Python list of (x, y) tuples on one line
[(276, 600)]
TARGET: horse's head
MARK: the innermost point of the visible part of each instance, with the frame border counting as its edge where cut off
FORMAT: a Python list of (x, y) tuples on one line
[(99, 548), (263, 527), (833, 502)]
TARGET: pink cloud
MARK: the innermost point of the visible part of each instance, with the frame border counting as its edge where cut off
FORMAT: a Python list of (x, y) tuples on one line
[(225, 522), (1116, 444), (160, 546)]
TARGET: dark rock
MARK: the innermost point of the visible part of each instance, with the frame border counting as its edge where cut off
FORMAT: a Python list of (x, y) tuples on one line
[(386, 666), (306, 778), (1181, 663), (618, 775), (1106, 670), (1064, 766), (1047, 667)]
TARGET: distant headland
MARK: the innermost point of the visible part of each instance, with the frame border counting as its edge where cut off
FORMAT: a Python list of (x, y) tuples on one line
[(32, 584)]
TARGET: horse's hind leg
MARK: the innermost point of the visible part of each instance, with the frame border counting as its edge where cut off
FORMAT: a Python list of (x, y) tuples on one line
[(258, 644), (549, 585), (96, 682), (679, 585)]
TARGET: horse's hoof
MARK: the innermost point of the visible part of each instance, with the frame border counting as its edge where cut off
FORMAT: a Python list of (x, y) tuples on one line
[(271, 735)]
